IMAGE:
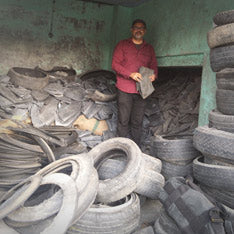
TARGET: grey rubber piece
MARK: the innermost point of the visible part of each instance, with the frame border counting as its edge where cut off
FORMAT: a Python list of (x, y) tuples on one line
[(224, 17), (214, 176), (221, 35), (214, 143), (224, 101), (225, 79), (222, 57), (224, 197), (221, 122), (120, 186), (28, 78), (174, 149), (120, 217), (24, 190), (145, 86), (152, 163)]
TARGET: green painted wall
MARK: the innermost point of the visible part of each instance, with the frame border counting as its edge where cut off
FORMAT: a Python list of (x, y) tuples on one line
[(177, 29), (81, 34)]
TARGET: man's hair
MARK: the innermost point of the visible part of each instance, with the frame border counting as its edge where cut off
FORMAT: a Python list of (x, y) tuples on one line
[(138, 21)]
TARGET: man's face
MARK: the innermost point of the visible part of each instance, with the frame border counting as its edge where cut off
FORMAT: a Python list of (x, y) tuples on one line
[(138, 31)]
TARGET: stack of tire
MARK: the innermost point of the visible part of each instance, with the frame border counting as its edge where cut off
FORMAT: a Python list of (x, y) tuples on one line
[(215, 170), (176, 153)]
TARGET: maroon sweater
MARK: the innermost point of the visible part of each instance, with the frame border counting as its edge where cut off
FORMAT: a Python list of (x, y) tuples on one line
[(128, 59)]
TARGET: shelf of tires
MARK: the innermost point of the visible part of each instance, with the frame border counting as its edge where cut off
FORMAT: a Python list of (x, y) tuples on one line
[(215, 169)]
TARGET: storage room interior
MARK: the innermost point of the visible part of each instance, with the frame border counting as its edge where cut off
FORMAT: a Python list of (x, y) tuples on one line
[(79, 36)]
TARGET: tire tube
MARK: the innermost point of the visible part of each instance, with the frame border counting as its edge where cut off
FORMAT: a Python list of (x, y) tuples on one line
[(214, 143), (125, 183), (214, 176), (221, 35)]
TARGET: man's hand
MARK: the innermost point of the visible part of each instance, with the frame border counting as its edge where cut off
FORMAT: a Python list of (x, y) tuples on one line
[(136, 76), (152, 78)]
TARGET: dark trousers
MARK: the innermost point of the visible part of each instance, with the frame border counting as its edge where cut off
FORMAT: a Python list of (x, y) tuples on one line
[(131, 109)]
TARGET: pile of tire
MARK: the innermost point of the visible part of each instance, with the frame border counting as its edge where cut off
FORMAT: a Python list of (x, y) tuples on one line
[(176, 153), (215, 170), (81, 194)]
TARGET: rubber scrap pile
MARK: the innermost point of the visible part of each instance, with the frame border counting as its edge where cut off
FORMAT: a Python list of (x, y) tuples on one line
[(60, 98)]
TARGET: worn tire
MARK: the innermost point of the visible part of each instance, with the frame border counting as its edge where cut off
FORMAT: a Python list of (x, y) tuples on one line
[(28, 78), (225, 79), (224, 17), (225, 101), (222, 57), (221, 35), (214, 176), (171, 169), (123, 218), (214, 143), (126, 182), (149, 185), (221, 122), (174, 150)]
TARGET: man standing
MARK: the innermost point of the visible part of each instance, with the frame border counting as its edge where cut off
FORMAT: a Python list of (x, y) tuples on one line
[(129, 55)]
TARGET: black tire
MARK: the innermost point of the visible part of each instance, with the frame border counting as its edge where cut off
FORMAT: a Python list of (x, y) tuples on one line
[(125, 183), (225, 101), (224, 17), (214, 143), (222, 35), (111, 218), (174, 149), (214, 176), (221, 122), (28, 78), (171, 169), (225, 197), (225, 79), (222, 57)]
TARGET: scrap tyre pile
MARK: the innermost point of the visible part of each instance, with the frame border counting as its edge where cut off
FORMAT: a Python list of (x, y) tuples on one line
[(214, 170), (79, 194)]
